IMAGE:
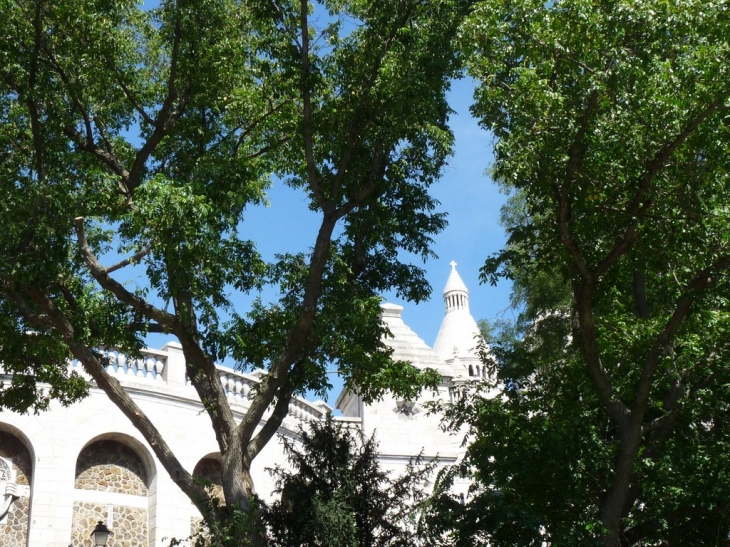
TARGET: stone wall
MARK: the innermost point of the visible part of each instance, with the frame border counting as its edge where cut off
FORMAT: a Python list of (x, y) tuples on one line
[(14, 527), (62, 481), (111, 466), (129, 528)]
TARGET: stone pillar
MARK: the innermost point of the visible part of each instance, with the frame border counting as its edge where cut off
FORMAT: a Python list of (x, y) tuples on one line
[(174, 372), (52, 495), (170, 511)]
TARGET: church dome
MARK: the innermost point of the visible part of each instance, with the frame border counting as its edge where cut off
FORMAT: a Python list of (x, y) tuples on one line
[(459, 333)]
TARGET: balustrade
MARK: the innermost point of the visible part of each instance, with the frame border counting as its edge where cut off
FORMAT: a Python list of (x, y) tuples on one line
[(238, 386)]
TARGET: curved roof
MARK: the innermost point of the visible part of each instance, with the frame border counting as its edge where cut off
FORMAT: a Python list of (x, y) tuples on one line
[(406, 344), (454, 282), (459, 333)]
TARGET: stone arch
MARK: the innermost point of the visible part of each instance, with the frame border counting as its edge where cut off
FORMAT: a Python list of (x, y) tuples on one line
[(111, 466), (16, 476), (115, 482), (208, 470)]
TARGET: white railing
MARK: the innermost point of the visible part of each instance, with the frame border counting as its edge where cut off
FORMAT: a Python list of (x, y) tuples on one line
[(301, 409), (240, 386), (149, 366), (154, 366), (236, 384)]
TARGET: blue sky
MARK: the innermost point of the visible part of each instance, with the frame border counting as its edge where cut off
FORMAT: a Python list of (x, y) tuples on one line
[(466, 193), (473, 204), (471, 200)]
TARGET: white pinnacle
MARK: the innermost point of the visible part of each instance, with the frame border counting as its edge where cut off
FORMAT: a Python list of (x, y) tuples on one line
[(458, 333)]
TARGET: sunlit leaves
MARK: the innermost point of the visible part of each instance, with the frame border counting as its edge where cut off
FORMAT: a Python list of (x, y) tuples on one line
[(612, 139)]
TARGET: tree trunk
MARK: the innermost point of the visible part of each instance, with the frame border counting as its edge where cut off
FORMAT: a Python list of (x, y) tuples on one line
[(238, 490), (613, 505)]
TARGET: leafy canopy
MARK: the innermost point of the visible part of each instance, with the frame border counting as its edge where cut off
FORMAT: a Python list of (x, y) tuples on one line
[(612, 134), (134, 143)]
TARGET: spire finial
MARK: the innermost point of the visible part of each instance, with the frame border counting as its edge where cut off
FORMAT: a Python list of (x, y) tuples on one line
[(456, 295)]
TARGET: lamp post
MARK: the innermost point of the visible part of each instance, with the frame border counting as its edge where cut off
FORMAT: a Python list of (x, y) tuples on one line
[(100, 535)]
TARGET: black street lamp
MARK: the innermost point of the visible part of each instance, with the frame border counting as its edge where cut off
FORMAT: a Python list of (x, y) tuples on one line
[(100, 535)]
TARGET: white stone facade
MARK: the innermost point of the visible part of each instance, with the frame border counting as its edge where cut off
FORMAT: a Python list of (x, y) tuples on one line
[(86, 462)]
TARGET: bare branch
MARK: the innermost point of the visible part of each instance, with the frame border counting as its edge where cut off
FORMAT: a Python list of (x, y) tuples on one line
[(131, 260)]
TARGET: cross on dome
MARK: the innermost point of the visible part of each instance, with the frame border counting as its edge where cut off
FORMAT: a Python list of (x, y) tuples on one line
[(456, 295)]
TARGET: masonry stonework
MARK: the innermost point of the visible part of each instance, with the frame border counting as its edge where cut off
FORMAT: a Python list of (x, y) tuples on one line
[(129, 527), (209, 471), (14, 526), (110, 466)]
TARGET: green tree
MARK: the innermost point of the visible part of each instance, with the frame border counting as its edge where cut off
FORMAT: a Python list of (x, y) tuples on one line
[(137, 140), (334, 494), (611, 125)]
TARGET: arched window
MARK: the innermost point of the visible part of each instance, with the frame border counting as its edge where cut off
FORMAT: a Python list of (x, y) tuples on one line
[(209, 471), (112, 485)]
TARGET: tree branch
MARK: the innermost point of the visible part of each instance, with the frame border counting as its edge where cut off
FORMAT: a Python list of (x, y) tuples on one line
[(616, 409), (295, 347), (254, 124), (101, 275), (269, 429), (357, 112), (314, 182), (131, 96), (30, 103), (109, 159), (40, 320), (116, 393), (700, 282), (166, 118), (563, 194), (134, 259), (639, 205)]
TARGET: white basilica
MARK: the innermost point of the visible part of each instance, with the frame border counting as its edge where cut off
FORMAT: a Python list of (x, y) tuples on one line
[(64, 470)]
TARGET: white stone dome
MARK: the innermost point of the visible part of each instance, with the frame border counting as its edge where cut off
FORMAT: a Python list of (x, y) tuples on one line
[(459, 333)]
